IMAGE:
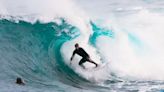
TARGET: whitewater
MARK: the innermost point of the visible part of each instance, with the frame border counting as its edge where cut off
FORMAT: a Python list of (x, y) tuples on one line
[(37, 39)]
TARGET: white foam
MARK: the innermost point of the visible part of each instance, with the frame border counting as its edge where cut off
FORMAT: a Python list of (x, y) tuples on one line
[(130, 60), (44, 11)]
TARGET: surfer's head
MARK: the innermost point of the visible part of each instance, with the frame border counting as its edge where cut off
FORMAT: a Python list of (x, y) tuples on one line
[(76, 45)]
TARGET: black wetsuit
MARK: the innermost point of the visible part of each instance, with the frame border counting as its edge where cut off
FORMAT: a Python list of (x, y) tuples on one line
[(82, 53)]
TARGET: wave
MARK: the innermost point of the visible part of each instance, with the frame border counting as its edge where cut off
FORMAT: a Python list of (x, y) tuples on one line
[(36, 44), (33, 52)]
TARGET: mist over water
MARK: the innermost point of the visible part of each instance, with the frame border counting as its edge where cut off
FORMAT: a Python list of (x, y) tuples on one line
[(38, 37)]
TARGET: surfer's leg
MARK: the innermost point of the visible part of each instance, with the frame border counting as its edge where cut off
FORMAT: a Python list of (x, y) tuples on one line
[(83, 60), (91, 61)]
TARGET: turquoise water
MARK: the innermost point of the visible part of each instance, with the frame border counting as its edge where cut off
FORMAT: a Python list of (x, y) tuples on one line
[(32, 51)]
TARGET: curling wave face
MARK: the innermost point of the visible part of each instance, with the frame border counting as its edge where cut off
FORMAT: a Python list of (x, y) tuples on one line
[(32, 51)]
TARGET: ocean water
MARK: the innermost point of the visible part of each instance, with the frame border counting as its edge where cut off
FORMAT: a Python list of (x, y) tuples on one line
[(124, 37)]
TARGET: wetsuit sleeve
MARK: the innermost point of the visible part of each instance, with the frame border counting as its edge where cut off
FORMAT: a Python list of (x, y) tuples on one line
[(74, 52)]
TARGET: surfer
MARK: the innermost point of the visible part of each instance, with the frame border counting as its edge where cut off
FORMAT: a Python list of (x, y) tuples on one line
[(19, 81), (81, 52)]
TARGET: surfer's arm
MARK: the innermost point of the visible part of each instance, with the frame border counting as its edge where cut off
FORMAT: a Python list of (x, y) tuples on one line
[(73, 55)]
